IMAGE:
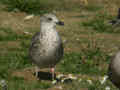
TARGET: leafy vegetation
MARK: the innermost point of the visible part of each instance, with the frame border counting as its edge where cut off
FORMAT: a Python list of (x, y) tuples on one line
[(37, 6), (81, 63), (45, 6), (98, 23)]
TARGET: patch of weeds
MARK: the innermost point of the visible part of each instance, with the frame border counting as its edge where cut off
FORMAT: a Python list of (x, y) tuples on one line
[(16, 84), (45, 6), (17, 78), (6, 34), (70, 62), (33, 6), (21, 84), (29, 6), (88, 61), (93, 56), (1, 1), (14, 60), (98, 23), (3, 72), (25, 44), (42, 85), (73, 63), (93, 7), (86, 84)]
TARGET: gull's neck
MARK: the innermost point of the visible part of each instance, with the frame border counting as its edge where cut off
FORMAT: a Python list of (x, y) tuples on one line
[(47, 27)]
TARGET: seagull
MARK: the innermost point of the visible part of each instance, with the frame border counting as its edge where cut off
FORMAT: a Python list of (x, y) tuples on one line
[(114, 70), (117, 21), (46, 48)]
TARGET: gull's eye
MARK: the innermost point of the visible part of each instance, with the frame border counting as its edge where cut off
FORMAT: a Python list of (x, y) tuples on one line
[(50, 19)]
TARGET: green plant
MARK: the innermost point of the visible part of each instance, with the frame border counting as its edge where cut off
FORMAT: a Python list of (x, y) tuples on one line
[(93, 7), (98, 24), (87, 61), (29, 6), (7, 34)]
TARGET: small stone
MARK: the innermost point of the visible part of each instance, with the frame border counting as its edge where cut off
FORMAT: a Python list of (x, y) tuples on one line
[(54, 81), (3, 83), (29, 17), (107, 88), (59, 87), (16, 10), (77, 39), (66, 80), (89, 81), (72, 77), (59, 76), (104, 79), (79, 80), (27, 33)]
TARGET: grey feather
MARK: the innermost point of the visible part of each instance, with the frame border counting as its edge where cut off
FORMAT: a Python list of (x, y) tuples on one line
[(114, 70)]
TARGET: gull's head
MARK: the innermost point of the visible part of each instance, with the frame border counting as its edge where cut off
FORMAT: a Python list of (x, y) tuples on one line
[(50, 19)]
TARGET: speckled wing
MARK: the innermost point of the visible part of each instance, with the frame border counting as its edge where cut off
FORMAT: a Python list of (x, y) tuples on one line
[(35, 43), (59, 52)]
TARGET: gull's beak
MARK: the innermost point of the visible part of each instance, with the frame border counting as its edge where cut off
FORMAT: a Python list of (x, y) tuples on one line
[(60, 23)]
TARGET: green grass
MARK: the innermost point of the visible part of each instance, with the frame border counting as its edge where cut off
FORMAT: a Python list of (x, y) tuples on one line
[(31, 6), (95, 85), (6, 34), (99, 24), (90, 60), (16, 83), (81, 63), (75, 62), (93, 7), (45, 6), (39, 6), (16, 59), (20, 84)]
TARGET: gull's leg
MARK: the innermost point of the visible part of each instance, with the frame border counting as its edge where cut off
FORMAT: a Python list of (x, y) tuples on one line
[(36, 71), (53, 73)]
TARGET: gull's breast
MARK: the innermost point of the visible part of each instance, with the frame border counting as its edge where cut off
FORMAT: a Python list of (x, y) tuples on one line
[(49, 50)]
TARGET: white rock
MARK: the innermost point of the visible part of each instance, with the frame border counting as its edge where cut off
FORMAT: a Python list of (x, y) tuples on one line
[(29, 17), (89, 81), (27, 33), (54, 81), (72, 77), (59, 87), (60, 76), (104, 79), (3, 83), (79, 80), (107, 88)]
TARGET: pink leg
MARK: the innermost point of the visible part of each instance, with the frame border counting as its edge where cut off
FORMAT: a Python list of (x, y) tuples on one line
[(53, 73)]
